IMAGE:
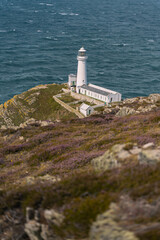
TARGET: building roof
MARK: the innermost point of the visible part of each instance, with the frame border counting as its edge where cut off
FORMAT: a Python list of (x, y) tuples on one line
[(96, 90), (84, 106)]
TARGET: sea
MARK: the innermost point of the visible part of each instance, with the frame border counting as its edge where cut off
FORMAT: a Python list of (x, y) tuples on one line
[(39, 42)]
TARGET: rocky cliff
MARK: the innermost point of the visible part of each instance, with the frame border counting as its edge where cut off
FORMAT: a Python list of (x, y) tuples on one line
[(96, 178), (37, 103)]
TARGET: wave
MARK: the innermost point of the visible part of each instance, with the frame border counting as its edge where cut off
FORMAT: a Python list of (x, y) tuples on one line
[(3, 31), (70, 14), (74, 14), (121, 44), (46, 4), (151, 40), (154, 81), (63, 14), (49, 4)]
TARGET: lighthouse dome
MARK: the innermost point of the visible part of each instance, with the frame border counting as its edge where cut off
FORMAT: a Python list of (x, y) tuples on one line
[(82, 49)]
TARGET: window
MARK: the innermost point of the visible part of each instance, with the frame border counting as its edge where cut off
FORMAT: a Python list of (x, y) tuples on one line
[(82, 54)]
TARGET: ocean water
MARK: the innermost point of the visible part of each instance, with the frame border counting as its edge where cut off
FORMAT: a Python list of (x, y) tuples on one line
[(39, 41)]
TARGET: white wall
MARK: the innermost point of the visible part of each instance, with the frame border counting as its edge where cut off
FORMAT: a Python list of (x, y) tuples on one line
[(110, 98), (82, 71), (72, 78), (86, 112), (94, 95), (83, 112)]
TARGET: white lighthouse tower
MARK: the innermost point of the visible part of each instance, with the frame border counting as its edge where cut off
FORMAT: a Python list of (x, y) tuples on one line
[(81, 69)]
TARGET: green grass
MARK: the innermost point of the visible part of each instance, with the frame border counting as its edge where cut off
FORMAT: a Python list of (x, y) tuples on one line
[(44, 107), (67, 98)]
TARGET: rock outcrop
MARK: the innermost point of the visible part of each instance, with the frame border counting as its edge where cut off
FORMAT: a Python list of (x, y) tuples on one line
[(114, 157), (124, 111), (42, 231), (149, 157), (119, 155), (106, 227)]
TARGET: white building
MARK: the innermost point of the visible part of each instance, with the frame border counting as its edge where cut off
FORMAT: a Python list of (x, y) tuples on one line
[(99, 93), (86, 110), (79, 83)]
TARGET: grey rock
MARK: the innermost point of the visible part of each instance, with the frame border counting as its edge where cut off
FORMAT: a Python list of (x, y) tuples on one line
[(32, 180), (148, 145), (107, 228), (131, 100), (154, 98), (123, 154), (3, 127), (135, 151), (33, 230), (149, 157), (50, 178), (111, 158), (146, 108), (124, 111), (38, 231), (21, 138), (54, 217), (47, 234)]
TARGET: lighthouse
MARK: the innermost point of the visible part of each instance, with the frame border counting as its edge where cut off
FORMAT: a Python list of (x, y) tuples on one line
[(89, 91), (81, 69)]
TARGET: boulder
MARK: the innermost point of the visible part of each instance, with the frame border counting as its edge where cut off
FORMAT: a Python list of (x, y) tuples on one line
[(146, 108), (33, 230), (32, 180), (149, 157), (148, 145), (124, 111), (154, 98), (111, 158), (106, 227), (54, 217), (135, 150), (39, 231), (47, 234)]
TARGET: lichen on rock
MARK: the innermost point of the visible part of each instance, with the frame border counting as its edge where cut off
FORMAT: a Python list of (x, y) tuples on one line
[(106, 227)]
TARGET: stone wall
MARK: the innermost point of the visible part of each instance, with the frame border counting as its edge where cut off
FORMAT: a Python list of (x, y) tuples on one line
[(66, 106), (65, 90)]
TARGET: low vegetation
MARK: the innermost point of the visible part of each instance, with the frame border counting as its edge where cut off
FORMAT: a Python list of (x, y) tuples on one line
[(64, 150)]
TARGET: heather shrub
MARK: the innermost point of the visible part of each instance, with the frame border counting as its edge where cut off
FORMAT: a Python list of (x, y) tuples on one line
[(153, 234), (1, 161), (82, 213), (143, 139), (49, 152), (42, 137), (38, 158), (17, 148)]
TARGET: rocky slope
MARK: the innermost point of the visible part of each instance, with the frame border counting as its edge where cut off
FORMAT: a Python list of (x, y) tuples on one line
[(37, 103), (92, 178)]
